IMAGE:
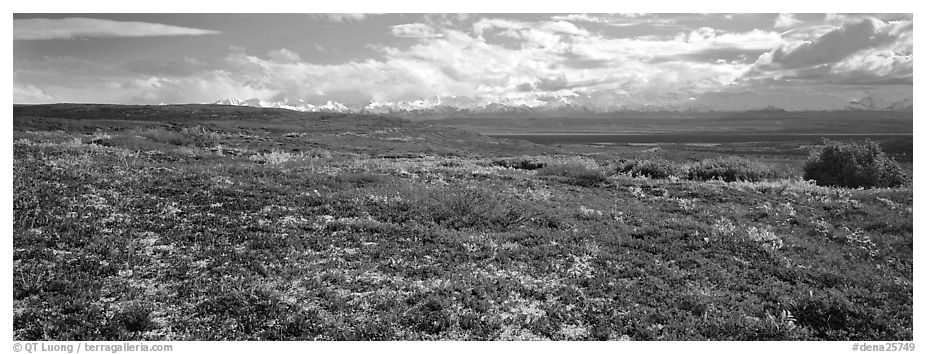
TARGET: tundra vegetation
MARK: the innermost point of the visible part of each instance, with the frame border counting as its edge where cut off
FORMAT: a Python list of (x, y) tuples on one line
[(278, 229)]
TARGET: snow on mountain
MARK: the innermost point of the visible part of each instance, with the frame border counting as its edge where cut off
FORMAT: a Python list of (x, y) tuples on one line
[(437, 107), (332, 106), (748, 100), (232, 102), (401, 106), (868, 103), (905, 104), (872, 102)]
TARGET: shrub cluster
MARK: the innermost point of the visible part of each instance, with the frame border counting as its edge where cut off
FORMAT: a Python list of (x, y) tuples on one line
[(853, 165), (519, 163), (574, 173), (196, 136), (731, 169), (656, 169), (460, 207)]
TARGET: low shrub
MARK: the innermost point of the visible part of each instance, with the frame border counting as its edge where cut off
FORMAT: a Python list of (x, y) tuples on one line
[(197, 136), (853, 165), (731, 169), (520, 163), (463, 208), (656, 169), (574, 173), (128, 141)]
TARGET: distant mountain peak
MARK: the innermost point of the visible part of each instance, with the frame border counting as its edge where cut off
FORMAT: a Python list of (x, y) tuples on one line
[(437, 107), (874, 103), (769, 108), (232, 102), (905, 104)]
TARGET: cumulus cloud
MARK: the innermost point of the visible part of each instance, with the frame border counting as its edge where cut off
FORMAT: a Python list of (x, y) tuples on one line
[(875, 66), (863, 51), (510, 26), (543, 67), (30, 94), (701, 42), (71, 28), (579, 18), (414, 30), (786, 21), (835, 45), (344, 17), (284, 55), (838, 44), (505, 60)]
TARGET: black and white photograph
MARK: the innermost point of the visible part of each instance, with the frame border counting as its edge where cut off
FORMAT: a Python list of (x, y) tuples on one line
[(461, 176)]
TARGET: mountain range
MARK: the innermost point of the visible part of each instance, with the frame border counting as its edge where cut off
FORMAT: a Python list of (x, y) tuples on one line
[(442, 107)]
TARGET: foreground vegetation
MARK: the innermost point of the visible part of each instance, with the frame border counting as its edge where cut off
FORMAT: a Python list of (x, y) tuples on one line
[(203, 232)]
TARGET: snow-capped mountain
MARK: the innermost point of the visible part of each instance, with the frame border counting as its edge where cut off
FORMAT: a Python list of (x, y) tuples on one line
[(438, 107), (232, 102), (872, 102), (905, 104), (302, 106), (867, 103)]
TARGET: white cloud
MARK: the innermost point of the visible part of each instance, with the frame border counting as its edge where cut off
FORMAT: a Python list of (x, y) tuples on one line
[(484, 71), (71, 28), (875, 65), (786, 21), (862, 50), (506, 60), (344, 17), (414, 30), (30, 94), (686, 43), (284, 55), (563, 27), (579, 18), (550, 27), (839, 43)]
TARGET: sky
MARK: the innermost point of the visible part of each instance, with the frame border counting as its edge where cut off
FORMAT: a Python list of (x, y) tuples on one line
[(808, 61)]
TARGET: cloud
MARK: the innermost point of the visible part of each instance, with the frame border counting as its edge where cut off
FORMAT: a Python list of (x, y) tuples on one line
[(30, 94), (56, 67), (344, 17), (511, 26), (563, 27), (579, 18), (75, 27), (863, 51), (555, 59), (509, 60), (875, 66), (201, 87), (786, 21), (712, 55), (838, 44), (414, 30), (700, 43), (284, 55)]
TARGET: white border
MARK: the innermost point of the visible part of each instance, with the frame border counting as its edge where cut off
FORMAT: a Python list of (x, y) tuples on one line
[(480, 6)]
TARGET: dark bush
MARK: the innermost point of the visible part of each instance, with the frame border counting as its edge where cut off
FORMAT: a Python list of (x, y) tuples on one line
[(463, 208), (656, 169), (519, 163), (575, 174), (196, 136), (731, 168), (136, 318), (853, 165)]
